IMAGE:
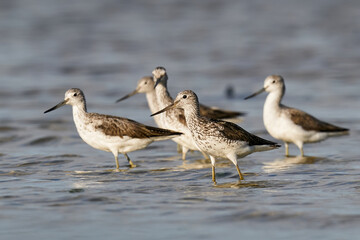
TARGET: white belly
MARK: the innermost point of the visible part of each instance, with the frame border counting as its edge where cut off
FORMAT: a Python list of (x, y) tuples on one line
[(125, 144)]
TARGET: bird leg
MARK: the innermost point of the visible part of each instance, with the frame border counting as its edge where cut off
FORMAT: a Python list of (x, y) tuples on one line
[(286, 149), (117, 162), (129, 161), (239, 172), (213, 168), (213, 174)]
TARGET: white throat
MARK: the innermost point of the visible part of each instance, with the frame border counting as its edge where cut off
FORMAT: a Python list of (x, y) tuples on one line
[(163, 97), (79, 115), (152, 101)]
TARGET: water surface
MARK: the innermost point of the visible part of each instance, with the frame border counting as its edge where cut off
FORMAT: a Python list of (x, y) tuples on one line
[(55, 186)]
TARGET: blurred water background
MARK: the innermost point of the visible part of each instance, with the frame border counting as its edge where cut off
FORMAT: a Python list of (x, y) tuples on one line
[(54, 186)]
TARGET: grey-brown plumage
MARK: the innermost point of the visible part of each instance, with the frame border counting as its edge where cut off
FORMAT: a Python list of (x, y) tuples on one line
[(217, 138), (232, 131), (217, 113), (110, 133), (118, 126), (309, 123), (292, 125), (173, 119)]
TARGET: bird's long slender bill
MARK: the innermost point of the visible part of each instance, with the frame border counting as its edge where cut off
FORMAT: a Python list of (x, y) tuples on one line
[(127, 96), (57, 106), (165, 109), (256, 93)]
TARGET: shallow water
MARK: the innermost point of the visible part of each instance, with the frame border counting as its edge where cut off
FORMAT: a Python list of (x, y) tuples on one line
[(55, 186)]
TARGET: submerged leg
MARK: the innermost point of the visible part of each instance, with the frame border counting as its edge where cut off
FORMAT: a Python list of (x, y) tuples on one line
[(213, 168), (302, 151), (129, 160), (286, 149)]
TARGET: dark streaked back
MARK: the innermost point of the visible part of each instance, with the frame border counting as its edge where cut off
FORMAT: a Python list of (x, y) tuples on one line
[(117, 126)]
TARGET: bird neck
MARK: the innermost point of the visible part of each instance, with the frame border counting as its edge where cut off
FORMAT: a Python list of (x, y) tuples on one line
[(152, 101), (79, 112), (153, 105), (192, 113), (273, 100), (162, 95)]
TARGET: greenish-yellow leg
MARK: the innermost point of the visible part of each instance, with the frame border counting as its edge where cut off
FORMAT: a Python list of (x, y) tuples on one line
[(239, 172), (213, 174), (286, 149), (129, 161), (117, 162)]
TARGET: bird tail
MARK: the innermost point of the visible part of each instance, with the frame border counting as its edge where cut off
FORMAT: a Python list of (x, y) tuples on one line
[(159, 134), (166, 137), (339, 133), (261, 148)]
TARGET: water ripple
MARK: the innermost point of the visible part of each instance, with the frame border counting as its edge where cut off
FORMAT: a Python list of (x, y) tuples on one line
[(43, 141)]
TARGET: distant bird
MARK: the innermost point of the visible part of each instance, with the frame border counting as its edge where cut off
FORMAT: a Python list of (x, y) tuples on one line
[(146, 85), (289, 124), (230, 92), (216, 137), (110, 133)]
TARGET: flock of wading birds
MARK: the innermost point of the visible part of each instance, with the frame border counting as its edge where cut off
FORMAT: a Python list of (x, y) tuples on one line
[(195, 126)]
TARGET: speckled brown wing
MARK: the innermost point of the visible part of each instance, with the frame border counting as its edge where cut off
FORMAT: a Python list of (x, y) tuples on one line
[(308, 122), (117, 126), (232, 131), (218, 113)]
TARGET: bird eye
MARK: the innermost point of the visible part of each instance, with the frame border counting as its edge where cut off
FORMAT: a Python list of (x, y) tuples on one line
[(184, 96), (273, 81), (75, 94), (145, 83)]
